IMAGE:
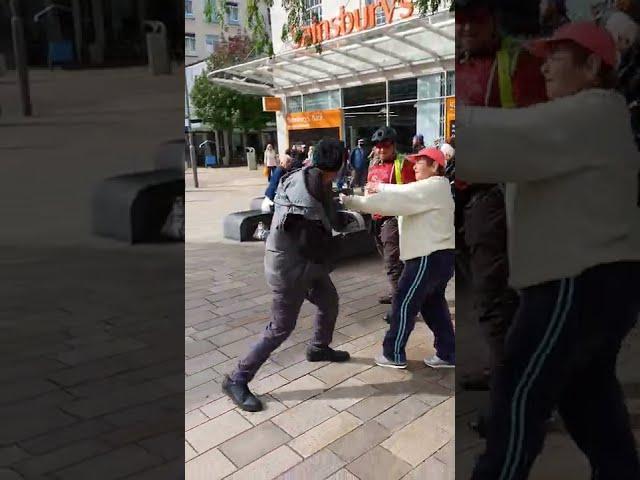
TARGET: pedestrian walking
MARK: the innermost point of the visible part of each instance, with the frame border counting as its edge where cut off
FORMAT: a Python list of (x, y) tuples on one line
[(578, 280), (297, 265), (270, 160), (425, 209)]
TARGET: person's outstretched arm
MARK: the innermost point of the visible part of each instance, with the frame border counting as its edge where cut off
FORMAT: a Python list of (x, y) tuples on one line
[(542, 141), (407, 199)]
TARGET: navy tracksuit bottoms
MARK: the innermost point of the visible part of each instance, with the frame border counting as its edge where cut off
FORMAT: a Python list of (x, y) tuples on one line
[(421, 290), (561, 352)]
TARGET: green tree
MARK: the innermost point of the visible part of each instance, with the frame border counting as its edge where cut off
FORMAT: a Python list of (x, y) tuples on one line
[(222, 108)]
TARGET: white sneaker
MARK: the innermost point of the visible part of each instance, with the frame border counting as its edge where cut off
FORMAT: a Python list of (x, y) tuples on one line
[(437, 362), (383, 361)]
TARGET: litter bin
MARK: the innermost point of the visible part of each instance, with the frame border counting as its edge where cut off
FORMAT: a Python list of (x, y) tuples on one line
[(251, 158), (157, 48)]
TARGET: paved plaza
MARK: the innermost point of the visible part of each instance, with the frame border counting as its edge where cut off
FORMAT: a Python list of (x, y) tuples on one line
[(321, 421)]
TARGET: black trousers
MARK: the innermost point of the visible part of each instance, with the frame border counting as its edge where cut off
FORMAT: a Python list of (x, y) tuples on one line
[(285, 308), (388, 243), (561, 353), (485, 235)]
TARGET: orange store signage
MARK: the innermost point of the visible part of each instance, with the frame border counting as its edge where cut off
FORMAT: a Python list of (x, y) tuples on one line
[(318, 119), (450, 116), (271, 104), (355, 20)]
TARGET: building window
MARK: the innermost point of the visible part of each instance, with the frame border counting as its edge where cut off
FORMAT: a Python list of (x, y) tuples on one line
[(294, 104), (451, 83), (190, 44), (380, 18), (400, 90), (211, 42), (233, 14), (370, 94), (188, 8), (314, 11), (209, 13), (321, 101)]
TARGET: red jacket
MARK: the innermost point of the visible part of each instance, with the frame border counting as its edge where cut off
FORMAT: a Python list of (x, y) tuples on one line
[(472, 78), (385, 173)]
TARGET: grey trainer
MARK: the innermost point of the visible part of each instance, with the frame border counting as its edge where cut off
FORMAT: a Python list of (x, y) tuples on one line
[(437, 362), (383, 361)]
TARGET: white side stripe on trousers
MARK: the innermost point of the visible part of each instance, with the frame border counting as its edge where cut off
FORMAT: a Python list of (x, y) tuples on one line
[(405, 303), (519, 402)]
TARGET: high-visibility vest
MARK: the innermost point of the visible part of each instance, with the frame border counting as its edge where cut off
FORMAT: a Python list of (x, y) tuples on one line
[(507, 61), (398, 164)]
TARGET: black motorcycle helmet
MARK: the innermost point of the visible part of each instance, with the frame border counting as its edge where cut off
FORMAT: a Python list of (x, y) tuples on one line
[(384, 133)]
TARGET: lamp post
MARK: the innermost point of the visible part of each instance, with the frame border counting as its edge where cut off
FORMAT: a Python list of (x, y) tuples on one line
[(20, 54), (192, 148)]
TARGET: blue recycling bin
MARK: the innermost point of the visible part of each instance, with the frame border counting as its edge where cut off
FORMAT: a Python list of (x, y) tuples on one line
[(210, 161), (60, 52)]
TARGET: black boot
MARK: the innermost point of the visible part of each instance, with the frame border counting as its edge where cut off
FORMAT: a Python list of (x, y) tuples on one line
[(326, 354), (241, 395)]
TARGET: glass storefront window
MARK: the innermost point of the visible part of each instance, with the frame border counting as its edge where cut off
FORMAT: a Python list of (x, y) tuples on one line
[(430, 119), (362, 123), (402, 117), (430, 86), (294, 104), (322, 100), (365, 95), (451, 84), (403, 90)]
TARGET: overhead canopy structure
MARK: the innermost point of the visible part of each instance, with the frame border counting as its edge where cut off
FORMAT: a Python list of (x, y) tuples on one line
[(407, 47)]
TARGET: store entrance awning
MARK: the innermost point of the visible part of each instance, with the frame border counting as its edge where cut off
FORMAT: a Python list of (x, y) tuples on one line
[(409, 45)]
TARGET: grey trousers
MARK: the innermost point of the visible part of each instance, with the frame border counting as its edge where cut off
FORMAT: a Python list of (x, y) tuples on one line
[(285, 310)]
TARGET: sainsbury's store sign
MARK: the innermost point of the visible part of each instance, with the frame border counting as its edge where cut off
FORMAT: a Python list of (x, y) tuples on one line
[(355, 21)]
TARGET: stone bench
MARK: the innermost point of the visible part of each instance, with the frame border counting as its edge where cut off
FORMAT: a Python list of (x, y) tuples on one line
[(134, 207)]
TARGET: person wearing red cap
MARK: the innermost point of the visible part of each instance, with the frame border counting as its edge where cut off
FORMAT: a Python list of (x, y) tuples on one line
[(425, 209), (574, 255)]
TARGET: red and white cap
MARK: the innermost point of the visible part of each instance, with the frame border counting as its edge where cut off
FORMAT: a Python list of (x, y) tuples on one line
[(429, 152), (587, 34)]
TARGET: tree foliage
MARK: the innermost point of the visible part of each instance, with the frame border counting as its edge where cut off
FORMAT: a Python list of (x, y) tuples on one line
[(221, 107)]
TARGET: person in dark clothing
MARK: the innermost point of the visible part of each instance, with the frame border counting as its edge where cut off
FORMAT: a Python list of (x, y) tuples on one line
[(297, 266), (417, 143), (359, 165), (286, 165), (553, 14)]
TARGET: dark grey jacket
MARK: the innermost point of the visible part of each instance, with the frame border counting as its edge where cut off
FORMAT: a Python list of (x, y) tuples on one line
[(285, 264)]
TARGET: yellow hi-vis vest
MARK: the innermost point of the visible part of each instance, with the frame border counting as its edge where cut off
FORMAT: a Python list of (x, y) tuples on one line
[(507, 60), (398, 163)]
